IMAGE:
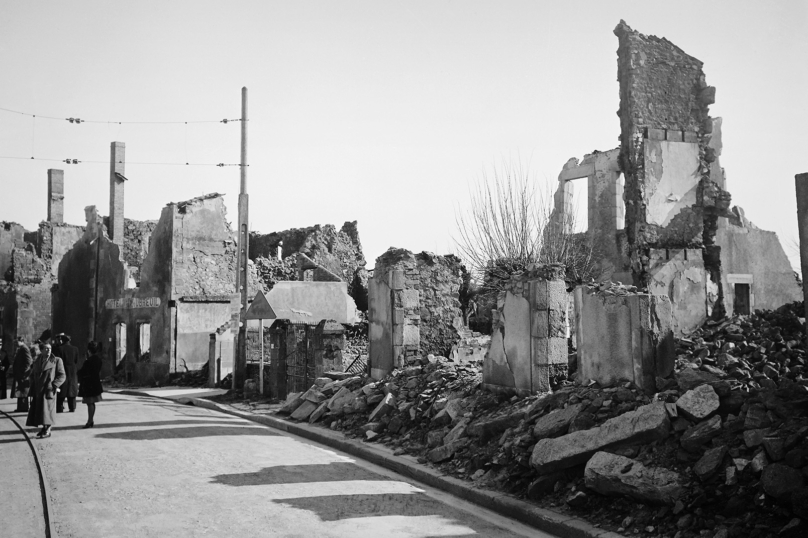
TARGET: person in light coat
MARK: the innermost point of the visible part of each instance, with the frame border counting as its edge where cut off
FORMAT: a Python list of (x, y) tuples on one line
[(47, 375)]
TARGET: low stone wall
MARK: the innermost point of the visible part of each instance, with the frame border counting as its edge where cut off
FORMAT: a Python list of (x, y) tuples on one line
[(623, 335), (528, 352)]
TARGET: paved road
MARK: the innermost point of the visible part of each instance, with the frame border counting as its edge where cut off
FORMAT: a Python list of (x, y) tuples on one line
[(156, 468), (19, 482)]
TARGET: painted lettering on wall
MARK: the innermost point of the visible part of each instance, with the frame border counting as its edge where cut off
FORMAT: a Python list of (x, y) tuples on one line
[(132, 302)]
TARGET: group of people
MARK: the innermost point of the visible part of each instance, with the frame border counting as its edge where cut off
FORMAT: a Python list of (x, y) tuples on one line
[(46, 375)]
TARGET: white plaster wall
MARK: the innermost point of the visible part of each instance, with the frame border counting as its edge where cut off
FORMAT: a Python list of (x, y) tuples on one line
[(672, 177)]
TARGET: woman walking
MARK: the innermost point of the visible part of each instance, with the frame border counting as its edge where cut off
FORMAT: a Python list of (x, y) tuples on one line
[(47, 375), (90, 377)]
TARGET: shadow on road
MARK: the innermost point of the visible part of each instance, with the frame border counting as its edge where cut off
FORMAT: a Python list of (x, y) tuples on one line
[(288, 474), (189, 432), (336, 507), (145, 424)]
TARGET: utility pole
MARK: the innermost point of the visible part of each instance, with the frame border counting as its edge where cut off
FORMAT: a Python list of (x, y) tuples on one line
[(240, 366)]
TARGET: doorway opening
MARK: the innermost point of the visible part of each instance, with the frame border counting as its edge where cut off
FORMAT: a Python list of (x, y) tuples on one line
[(742, 304)]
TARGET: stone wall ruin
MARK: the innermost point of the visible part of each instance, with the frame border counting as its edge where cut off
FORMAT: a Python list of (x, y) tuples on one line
[(413, 307)]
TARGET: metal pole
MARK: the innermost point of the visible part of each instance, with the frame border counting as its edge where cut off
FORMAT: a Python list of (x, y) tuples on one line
[(240, 368), (261, 364)]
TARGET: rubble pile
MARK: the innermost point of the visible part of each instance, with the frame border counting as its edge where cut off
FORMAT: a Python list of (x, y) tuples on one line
[(721, 449), (190, 378)]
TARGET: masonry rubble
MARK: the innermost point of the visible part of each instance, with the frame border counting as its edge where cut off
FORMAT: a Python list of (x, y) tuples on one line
[(694, 453)]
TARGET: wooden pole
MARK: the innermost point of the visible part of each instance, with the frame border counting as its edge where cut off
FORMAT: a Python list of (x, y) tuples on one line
[(240, 366), (261, 364)]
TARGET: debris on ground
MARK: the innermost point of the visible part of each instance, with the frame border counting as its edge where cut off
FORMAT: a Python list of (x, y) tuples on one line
[(721, 449)]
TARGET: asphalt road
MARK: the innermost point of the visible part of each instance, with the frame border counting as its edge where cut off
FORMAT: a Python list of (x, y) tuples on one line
[(151, 467)]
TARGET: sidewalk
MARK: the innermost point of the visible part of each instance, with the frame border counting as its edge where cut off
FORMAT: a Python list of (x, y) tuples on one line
[(555, 523), (20, 493)]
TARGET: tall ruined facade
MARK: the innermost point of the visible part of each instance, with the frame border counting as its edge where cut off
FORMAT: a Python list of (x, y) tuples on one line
[(659, 210)]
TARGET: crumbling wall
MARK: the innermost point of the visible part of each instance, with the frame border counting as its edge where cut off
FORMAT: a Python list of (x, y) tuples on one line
[(136, 239), (623, 335), (680, 275), (337, 251), (12, 235), (26, 267), (528, 351), (673, 183), (412, 307), (53, 240), (204, 249), (756, 257), (605, 210)]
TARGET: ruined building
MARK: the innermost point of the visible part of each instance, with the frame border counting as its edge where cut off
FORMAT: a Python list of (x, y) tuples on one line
[(151, 292), (659, 211), (318, 253)]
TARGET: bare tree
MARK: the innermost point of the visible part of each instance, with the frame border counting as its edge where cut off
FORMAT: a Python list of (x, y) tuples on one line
[(509, 224)]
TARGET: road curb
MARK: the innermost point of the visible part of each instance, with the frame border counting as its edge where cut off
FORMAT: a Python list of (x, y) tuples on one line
[(545, 520)]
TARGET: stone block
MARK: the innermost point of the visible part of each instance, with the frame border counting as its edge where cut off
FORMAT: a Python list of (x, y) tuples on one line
[(540, 327), (319, 412), (780, 480), (445, 452), (556, 422), (488, 428), (411, 335), (643, 425), (673, 136), (697, 436), (614, 475), (691, 136), (540, 299), (397, 279), (710, 462), (557, 324), (293, 401), (387, 404), (699, 403), (409, 299), (655, 134), (304, 410)]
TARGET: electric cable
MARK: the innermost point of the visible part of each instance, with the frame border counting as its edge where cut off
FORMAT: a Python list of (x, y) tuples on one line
[(79, 120), (78, 161)]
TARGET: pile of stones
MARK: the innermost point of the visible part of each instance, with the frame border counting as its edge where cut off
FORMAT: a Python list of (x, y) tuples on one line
[(720, 449)]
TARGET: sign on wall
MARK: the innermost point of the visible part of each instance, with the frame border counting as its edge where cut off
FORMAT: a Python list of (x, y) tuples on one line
[(132, 302)]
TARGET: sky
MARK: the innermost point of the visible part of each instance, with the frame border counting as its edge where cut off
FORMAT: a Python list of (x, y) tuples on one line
[(387, 113)]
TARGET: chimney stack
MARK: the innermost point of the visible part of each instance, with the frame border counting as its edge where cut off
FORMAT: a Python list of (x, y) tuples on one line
[(116, 179), (56, 196)]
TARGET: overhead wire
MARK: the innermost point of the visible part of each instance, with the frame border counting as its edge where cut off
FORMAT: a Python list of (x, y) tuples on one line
[(78, 161), (74, 120)]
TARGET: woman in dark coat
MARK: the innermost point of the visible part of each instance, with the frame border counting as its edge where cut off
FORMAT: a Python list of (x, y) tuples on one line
[(22, 369), (47, 375), (90, 378), (70, 357)]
